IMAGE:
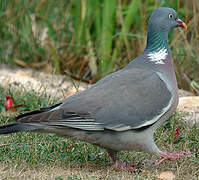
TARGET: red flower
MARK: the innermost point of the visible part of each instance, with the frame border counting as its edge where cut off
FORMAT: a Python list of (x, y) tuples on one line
[(177, 133), (9, 103), (69, 147), (60, 148)]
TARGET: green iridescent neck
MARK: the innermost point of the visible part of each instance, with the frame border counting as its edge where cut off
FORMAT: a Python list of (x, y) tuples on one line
[(156, 41)]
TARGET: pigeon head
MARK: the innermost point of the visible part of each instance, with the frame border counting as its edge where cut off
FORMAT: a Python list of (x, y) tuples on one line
[(161, 22), (164, 19)]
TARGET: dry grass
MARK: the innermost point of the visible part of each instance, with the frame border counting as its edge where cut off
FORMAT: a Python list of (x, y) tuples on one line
[(182, 169), (55, 172)]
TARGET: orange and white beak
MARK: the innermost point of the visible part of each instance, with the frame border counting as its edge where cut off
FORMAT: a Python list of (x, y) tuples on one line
[(181, 24)]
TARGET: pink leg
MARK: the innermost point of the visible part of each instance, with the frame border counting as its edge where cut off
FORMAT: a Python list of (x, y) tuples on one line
[(170, 156), (117, 163)]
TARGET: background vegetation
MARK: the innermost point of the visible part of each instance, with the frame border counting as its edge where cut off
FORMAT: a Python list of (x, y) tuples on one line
[(87, 39)]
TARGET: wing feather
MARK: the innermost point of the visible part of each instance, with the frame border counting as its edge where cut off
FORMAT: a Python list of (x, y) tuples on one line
[(116, 103)]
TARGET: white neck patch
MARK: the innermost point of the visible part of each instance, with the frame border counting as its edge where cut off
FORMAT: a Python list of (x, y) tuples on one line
[(158, 56)]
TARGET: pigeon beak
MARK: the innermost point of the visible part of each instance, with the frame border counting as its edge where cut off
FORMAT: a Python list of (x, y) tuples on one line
[(181, 24)]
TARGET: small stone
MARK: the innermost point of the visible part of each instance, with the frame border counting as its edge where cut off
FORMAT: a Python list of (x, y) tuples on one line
[(189, 105), (166, 175)]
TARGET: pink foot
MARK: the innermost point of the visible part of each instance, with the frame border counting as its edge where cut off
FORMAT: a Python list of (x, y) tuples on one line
[(170, 156), (117, 163), (121, 165)]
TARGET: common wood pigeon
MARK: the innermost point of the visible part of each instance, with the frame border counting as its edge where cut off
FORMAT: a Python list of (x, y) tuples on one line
[(122, 110)]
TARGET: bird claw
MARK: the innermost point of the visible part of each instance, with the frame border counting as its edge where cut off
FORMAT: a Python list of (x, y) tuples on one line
[(171, 156), (121, 165)]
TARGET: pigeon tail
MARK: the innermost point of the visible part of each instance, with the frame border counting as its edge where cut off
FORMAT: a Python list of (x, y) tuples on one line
[(18, 127)]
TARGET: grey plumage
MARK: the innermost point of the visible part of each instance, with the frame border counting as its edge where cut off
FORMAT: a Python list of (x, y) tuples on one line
[(122, 110)]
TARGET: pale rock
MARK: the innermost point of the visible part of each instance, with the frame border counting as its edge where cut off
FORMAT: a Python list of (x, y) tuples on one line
[(189, 105), (54, 85), (166, 175)]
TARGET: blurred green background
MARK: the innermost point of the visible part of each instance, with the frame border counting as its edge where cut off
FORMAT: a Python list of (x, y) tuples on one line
[(87, 39)]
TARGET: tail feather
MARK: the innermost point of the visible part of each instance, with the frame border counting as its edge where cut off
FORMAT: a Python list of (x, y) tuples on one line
[(37, 111), (18, 127)]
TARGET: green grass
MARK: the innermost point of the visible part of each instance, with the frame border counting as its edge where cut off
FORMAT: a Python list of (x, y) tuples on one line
[(36, 150), (88, 38)]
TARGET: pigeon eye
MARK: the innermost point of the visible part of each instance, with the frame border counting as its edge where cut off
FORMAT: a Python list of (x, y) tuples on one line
[(170, 16)]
